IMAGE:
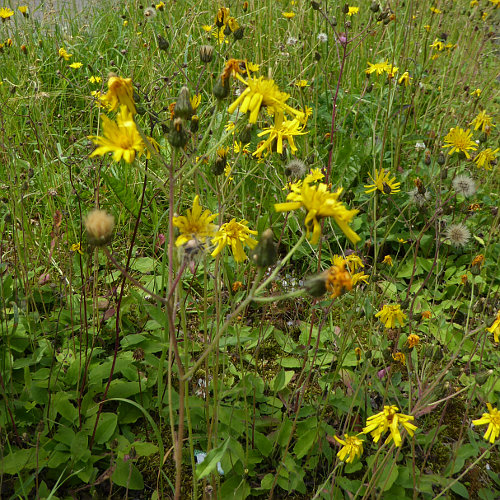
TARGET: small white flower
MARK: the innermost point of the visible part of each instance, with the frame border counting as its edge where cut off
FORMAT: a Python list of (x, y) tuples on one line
[(419, 146), (291, 40), (322, 37)]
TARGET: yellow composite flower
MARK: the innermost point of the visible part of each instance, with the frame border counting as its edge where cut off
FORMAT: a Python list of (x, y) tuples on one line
[(338, 280), (459, 139), (120, 138), (483, 121), (263, 92), (195, 101), (195, 224), (492, 418), (160, 6), (77, 247), (5, 13), (437, 44), (383, 182), (319, 203), (352, 447), (413, 340), (378, 68), (400, 357), (405, 78), (388, 260), (495, 328), (391, 313), (95, 79), (64, 54), (120, 93), (286, 130), (485, 158), (234, 234), (359, 277), (389, 420), (23, 9), (288, 15), (435, 10), (476, 93), (301, 83), (352, 11), (391, 71), (76, 65)]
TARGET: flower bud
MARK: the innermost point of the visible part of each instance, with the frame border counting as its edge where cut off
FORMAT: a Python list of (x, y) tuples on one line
[(316, 285), (315, 5), (374, 7), (177, 137), (99, 226), (195, 121), (221, 88), (162, 43), (345, 9), (183, 107), (246, 134), (238, 34), (264, 254), (206, 53), (441, 159)]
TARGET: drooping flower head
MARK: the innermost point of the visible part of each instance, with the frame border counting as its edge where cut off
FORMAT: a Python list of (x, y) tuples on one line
[(483, 121), (485, 158), (195, 224), (391, 313), (261, 92), (120, 138), (389, 419), (383, 182), (120, 93), (319, 202), (459, 139), (492, 418), (234, 234), (495, 328), (352, 447), (64, 54)]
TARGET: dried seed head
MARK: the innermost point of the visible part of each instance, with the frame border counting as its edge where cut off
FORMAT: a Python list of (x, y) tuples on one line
[(206, 53), (99, 226)]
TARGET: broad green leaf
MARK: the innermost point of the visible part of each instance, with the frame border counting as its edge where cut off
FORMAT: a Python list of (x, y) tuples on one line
[(79, 446), (106, 427), (144, 449), (305, 442), (210, 462), (460, 489), (127, 475), (282, 379)]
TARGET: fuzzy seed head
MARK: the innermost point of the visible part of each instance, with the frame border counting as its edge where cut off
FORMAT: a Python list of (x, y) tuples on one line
[(99, 226)]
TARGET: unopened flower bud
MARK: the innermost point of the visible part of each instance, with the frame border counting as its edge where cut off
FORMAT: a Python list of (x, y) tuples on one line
[(238, 34), (183, 107), (245, 6), (221, 88), (99, 226), (264, 254), (162, 43), (483, 377), (195, 121), (246, 134), (206, 53), (316, 285), (345, 9), (315, 5), (317, 56), (333, 21), (374, 7), (177, 137), (441, 159)]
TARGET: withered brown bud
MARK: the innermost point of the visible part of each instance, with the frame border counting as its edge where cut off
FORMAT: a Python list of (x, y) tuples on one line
[(238, 34), (374, 7), (345, 9), (163, 44), (315, 5)]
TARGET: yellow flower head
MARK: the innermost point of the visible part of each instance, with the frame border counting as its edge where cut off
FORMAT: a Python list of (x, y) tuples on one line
[(120, 138), (64, 54), (389, 419), (77, 247), (413, 341), (76, 65), (459, 139), (426, 314), (288, 15), (438, 45), (485, 158), (262, 92), (319, 203), (391, 71), (352, 11), (378, 68), (388, 260), (95, 79), (195, 101), (405, 78), (476, 93), (286, 130), (492, 418), (399, 357), (435, 10), (160, 6), (391, 313), (234, 234), (338, 280), (120, 93), (23, 9), (383, 182), (495, 328), (301, 83), (483, 121), (195, 224), (5, 13), (359, 277), (352, 447)]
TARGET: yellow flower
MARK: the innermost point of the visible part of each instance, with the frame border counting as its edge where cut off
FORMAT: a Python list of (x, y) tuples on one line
[(492, 418), (473, 3), (388, 260), (227, 173), (194, 224), (496, 3), (391, 313), (120, 92), (286, 130), (484, 121), (389, 419), (405, 78), (391, 71), (207, 28), (237, 285), (426, 314), (400, 357), (64, 54), (288, 15), (23, 9), (436, 10), (252, 67), (219, 36), (95, 79), (459, 139), (352, 448), (125, 23), (383, 182), (262, 92), (401, 240), (485, 15), (195, 101), (314, 175), (427, 27), (77, 247), (120, 138), (5, 13), (358, 277), (495, 328), (352, 11), (354, 262), (235, 234), (413, 341), (338, 280), (301, 83), (378, 68), (476, 93), (438, 45), (160, 6), (319, 203), (485, 158), (229, 126), (76, 65)]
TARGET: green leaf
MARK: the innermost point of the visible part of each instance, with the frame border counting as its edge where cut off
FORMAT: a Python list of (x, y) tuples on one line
[(305, 442), (234, 488), (144, 449), (143, 265), (282, 379), (267, 481), (15, 461), (460, 489), (125, 195), (79, 447), (263, 444), (127, 475), (210, 462), (106, 427)]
